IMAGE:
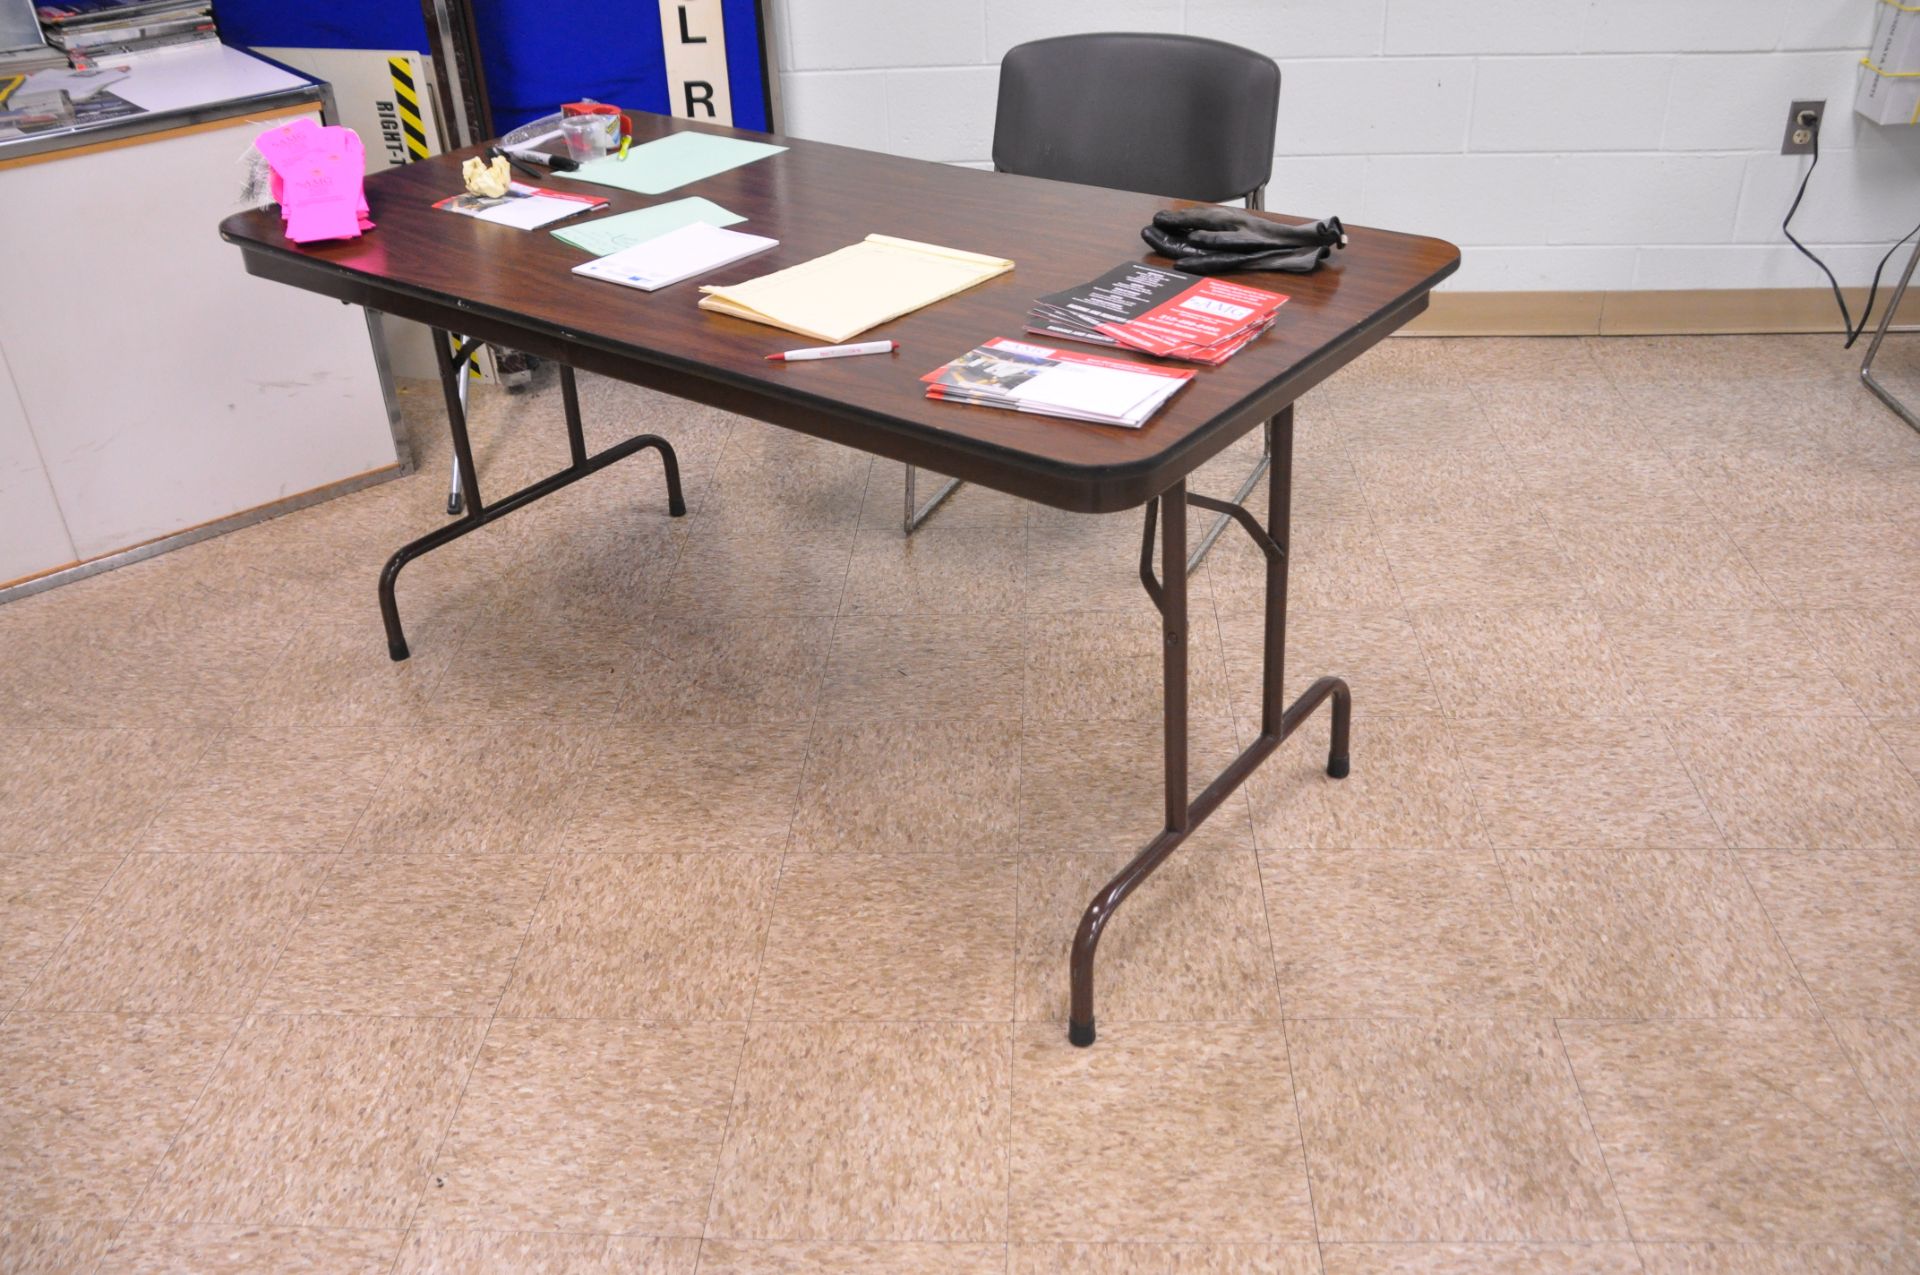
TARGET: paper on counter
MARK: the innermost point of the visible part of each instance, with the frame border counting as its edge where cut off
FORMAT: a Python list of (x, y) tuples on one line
[(78, 85), (604, 235), (195, 77), (836, 297), (666, 163)]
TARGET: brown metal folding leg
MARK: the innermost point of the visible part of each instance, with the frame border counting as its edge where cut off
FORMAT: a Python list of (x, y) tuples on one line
[(1169, 594), (478, 512)]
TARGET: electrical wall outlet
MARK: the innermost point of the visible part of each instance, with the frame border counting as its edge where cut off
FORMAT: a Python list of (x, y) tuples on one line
[(1803, 125)]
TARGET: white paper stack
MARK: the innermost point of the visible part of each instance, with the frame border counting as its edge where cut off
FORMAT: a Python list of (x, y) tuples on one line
[(679, 254), (1032, 378)]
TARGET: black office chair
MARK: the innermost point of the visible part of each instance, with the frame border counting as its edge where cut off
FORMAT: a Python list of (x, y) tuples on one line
[(1168, 115)]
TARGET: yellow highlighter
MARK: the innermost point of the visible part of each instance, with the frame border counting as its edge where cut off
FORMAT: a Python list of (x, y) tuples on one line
[(624, 143)]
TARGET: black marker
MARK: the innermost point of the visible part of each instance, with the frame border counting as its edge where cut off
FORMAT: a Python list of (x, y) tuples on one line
[(558, 163)]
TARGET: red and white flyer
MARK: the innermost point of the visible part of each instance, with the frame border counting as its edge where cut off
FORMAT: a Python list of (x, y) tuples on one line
[(1160, 312), (1022, 377)]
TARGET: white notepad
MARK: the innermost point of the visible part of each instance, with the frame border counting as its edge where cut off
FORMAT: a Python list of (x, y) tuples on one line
[(676, 255)]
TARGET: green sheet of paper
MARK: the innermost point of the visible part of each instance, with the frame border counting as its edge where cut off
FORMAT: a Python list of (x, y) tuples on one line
[(623, 230), (670, 162)]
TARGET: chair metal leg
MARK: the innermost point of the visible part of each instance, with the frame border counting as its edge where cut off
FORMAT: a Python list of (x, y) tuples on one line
[(463, 358), (915, 515), (1880, 334), (1247, 485), (1169, 595)]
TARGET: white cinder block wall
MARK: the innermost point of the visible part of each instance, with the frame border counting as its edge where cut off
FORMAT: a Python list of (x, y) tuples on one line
[(1570, 145)]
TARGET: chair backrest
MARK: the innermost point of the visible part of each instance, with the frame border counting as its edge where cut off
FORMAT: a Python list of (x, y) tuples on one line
[(1158, 114)]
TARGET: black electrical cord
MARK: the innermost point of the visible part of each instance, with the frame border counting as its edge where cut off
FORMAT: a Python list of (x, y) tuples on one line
[(1846, 316)]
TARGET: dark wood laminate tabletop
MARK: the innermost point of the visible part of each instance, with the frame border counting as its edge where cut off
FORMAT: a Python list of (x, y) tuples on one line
[(515, 287)]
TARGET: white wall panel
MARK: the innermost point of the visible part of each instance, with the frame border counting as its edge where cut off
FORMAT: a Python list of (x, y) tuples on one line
[(1688, 26), (1642, 199), (1571, 104), (833, 35), (1011, 22), (1470, 199), (942, 114), (33, 537), (1375, 105), (847, 108), (1738, 103), (1284, 29), (1556, 138), (1481, 26)]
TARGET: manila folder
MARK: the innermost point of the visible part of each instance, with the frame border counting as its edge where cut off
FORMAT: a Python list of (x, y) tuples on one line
[(836, 297)]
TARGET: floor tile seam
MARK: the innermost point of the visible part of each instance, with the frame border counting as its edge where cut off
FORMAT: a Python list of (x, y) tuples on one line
[(1812, 647), (67, 938), (1731, 530), (1887, 1128), (1293, 1076), (1653, 706), (786, 1020), (473, 1062), (119, 1229), (1874, 725), (186, 1123), (213, 739), (299, 922), (1593, 1132), (1555, 1016), (1446, 719), (401, 741), (1020, 837), (814, 723), (726, 1129), (218, 1224), (1233, 725), (1665, 725)]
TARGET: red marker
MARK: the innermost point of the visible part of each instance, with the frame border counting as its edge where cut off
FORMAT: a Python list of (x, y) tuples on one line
[(835, 351)]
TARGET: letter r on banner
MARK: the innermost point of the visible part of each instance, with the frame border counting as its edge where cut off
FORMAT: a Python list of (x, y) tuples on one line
[(695, 41)]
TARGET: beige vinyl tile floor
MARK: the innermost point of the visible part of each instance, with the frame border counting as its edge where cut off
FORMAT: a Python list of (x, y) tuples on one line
[(698, 896)]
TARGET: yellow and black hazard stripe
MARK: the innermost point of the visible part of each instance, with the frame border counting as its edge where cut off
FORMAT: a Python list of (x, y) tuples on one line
[(407, 98)]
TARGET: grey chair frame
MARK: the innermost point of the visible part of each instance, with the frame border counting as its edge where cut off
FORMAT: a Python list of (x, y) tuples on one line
[(914, 513)]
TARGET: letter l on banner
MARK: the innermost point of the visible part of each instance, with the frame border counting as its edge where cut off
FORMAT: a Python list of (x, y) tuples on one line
[(695, 41)]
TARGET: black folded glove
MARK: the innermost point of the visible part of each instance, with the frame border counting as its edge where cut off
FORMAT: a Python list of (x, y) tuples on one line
[(1224, 240)]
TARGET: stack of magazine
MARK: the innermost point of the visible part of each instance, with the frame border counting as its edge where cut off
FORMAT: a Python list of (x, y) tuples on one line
[(1160, 312), (1033, 378), (124, 32)]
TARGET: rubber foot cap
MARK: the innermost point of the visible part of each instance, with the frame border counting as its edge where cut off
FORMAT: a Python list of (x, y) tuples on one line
[(1337, 767), (1080, 1034), (399, 652), (453, 504)]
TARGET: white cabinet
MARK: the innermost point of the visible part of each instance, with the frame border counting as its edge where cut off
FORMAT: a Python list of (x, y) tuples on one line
[(156, 387)]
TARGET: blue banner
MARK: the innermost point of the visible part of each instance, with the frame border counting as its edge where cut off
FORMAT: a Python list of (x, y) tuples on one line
[(536, 53)]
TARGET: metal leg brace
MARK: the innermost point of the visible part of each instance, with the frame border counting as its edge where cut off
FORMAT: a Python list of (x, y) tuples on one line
[(915, 515), (479, 512), (463, 359), (1169, 594), (1880, 334)]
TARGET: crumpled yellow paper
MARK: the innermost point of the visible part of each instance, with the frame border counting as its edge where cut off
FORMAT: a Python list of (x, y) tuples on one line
[(490, 180)]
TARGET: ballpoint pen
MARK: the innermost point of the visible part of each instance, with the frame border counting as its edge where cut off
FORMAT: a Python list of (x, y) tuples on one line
[(834, 351)]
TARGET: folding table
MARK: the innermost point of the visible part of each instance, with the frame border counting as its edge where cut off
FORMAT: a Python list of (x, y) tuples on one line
[(514, 288)]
